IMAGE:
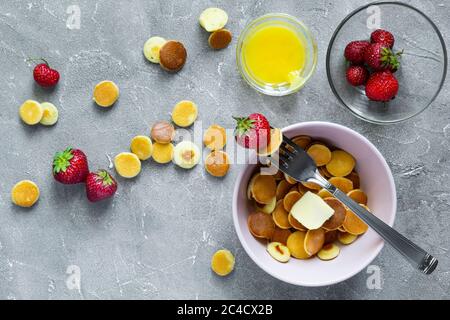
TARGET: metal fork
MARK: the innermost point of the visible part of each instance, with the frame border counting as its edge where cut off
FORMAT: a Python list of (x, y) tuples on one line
[(295, 162)]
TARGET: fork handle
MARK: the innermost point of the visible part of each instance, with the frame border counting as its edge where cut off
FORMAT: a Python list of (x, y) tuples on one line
[(418, 257)]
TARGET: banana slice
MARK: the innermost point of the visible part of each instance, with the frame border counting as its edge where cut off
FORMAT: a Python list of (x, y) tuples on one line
[(279, 251), (152, 47), (106, 93), (186, 155), (50, 115), (25, 193), (142, 147), (31, 112), (213, 19), (222, 262), (127, 164)]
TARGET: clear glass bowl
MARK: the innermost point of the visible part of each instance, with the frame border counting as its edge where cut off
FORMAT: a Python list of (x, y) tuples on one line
[(305, 36), (423, 64)]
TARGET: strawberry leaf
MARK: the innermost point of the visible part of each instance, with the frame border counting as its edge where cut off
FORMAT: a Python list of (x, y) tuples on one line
[(61, 161)]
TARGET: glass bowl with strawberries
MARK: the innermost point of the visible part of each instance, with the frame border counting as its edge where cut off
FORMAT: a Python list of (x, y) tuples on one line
[(386, 62)]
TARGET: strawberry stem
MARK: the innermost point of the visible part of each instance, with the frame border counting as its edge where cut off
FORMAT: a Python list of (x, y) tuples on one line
[(105, 177), (61, 161)]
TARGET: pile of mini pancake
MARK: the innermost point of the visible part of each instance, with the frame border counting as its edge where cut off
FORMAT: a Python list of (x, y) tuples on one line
[(273, 197)]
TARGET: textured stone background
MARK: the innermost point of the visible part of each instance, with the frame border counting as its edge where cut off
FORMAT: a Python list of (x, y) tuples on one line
[(156, 238)]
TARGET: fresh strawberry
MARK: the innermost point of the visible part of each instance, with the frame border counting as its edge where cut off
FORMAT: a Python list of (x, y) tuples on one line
[(44, 75), (253, 132), (70, 166), (379, 57), (382, 86), (100, 185), (383, 37), (354, 51), (357, 75)]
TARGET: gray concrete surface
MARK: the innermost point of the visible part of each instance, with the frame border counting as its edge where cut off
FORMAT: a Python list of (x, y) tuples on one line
[(156, 238)]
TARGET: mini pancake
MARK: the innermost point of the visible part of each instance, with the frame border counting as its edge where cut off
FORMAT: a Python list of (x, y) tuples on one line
[(217, 163), (295, 224), (343, 184), (264, 188), (172, 56), (289, 179), (127, 164), (222, 262), (290, 199), (331, 236), (338, 217), (276, 138), (341, 229), (162, 132), (296, 245), (267, 208), (250, 186), (280, 235), (312, 186), (320, 154), (283, 188), (279, 175), (346, 238), (163, 153), (324, 193), (220, 39), (354, 225), (25, 193), (354, 176), (184, 113), (328, 252), (280, 216), (106, 93), (293, 188), (215, 137), (261, 225), (358, 196), (324, 172), (314, 241), (341, 164), (302, 141), (302, 189), (142, 146)]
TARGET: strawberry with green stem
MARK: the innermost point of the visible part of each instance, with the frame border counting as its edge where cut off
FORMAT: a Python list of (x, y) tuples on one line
[(100, 185), (252, 132), (380, 57), (70, 166)]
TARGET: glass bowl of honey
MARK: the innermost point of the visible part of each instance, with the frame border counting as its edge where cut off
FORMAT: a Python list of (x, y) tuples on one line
[(276, 54)]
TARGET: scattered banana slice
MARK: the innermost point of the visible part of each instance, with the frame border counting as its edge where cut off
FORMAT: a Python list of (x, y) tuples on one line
[(184, 113), (31, 112), (279, 252), (213, 19), (162, 152), (127, 164), (152, 47), (268, 208), (25, 193), (222, 262), (106, 93), (50, 115), (142, 147), (186, 155)]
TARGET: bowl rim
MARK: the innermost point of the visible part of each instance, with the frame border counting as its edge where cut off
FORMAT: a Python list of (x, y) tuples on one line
[(241, 38), (336, 32), (364, 263)]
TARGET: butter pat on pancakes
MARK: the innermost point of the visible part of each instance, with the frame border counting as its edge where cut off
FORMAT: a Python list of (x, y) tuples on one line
[(311, 211)]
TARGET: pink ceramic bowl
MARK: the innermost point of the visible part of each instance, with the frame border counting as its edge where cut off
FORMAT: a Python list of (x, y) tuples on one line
[(376, 181)]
